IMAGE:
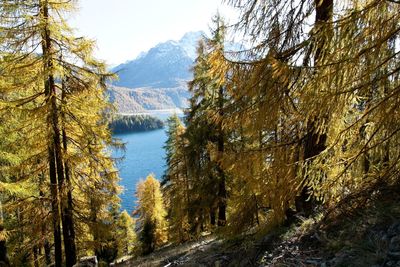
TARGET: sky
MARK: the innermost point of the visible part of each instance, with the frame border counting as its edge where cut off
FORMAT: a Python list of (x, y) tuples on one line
[(124, 28)]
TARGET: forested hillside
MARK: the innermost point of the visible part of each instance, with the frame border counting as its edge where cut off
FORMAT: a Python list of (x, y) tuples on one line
[(298, 131), (134, 123)]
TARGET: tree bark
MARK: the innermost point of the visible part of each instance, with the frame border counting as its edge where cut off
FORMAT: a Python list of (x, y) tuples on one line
[(46, 244), (52, 120), (60, 204), (212, 216), (222, 194), (67, 208), (47, 252), (55, 208), (315, 142)]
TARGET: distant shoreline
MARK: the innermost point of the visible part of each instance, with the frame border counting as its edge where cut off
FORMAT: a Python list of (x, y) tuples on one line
[(154, 111)]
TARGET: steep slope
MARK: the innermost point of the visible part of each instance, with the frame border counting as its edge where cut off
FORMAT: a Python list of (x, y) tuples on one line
[(123, 100), (135, 100), (166, 65), (354, 233)]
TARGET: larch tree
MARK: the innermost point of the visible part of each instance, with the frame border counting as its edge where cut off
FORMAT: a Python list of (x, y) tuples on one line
[(307, 94), (22, 169), (306, 109), (203, 197), (176, 185), (126, 235), (52, 80), (205, 134), (151, 210)]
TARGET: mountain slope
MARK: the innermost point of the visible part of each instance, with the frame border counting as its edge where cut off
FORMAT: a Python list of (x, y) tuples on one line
[(157, 79), (166, 65), (354, 233), (135, 100)]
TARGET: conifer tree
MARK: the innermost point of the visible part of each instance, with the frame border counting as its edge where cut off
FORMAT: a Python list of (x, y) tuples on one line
[(296, 87), (205, 134), (151, 211), (176, 184), (50, 77), (315, 137), (22, 162), (126, 234)]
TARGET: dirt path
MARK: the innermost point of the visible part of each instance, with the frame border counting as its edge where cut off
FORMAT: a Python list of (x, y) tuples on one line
[(170, 256)]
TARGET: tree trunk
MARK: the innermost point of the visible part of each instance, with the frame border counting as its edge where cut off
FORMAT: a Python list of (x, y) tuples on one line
[(212, 216), (47, 252), (35, 256), (94, 230), (221, 184), (323, 14), (46, 244), (314, 142), (222, 201), (67, 216), (4, 261), (55, 208), (53, 150)]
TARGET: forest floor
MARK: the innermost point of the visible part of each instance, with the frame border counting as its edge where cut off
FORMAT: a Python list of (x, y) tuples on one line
[(362, 231)]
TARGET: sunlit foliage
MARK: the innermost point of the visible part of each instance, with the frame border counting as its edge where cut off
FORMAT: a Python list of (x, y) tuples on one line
[(151, 210)]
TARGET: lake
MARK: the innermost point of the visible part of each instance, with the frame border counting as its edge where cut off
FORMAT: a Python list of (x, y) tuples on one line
[(144, 154)]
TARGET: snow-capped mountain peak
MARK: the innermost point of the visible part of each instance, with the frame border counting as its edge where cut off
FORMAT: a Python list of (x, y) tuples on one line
[(165, 65)]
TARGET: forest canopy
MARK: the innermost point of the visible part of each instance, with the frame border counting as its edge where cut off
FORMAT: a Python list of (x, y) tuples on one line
[(302, 120)]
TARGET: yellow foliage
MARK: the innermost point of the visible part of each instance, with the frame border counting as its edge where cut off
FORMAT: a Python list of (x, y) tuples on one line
[(151, 208)]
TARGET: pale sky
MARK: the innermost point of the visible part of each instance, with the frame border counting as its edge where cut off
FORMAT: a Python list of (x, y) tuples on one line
[(124, 28)]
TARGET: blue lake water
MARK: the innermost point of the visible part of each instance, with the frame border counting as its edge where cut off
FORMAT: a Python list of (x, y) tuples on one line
[(144, 154)]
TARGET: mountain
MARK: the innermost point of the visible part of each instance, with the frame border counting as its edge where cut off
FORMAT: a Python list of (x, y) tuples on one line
[(133, 100), (166, 65), (157, 79)]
